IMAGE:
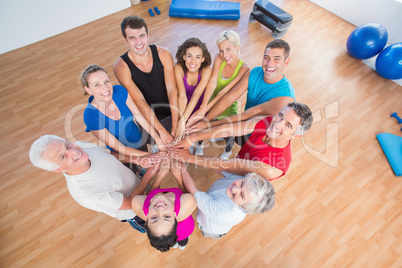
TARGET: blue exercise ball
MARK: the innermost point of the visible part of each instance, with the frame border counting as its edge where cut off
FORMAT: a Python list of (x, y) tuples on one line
[(366, 41), (389, 62)]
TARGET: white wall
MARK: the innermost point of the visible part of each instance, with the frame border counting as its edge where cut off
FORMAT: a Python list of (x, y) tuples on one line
[(388, 13), (23, 22)]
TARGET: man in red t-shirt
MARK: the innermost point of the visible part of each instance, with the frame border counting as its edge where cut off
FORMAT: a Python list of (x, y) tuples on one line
[(266, 152)]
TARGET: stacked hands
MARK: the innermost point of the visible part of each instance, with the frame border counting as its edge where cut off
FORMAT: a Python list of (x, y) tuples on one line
[(172, 156)]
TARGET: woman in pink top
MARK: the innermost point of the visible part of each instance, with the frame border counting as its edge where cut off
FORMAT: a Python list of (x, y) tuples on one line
[(167, 213)]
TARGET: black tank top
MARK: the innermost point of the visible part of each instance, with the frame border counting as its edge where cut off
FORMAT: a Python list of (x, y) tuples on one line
[(152, 84)]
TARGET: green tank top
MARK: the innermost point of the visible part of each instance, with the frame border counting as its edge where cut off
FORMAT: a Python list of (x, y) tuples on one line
[(222, 83)]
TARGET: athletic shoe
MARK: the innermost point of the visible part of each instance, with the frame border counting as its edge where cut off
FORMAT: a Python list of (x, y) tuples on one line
[(154, 148), (191, 149), (215, 140), (175, 245), (226, 155), (200, 149), (182, 247)]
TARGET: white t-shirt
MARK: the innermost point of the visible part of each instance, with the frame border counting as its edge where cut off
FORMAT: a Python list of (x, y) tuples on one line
[(217, 213), (102, 188)]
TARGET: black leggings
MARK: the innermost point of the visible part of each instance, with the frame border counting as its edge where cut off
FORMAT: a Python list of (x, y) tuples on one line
[(229, 143), (182, 243)]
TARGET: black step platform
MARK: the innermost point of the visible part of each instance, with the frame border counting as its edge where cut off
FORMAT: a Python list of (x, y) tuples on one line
[(272, 17)]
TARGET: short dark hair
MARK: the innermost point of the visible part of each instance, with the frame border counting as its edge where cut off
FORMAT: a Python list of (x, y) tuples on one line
[(304, 112), (163, 242), (133, 22), (193, 42), (279, 43)]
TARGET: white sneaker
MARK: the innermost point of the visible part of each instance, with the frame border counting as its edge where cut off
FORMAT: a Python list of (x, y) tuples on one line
[(226, 155), (191, 149), (182, 247), (154, 148), (175, 245), (200, 149), (215, 140)]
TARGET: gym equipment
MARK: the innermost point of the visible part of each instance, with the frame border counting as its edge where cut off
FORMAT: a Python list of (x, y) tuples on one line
[(366, 41), (389, 62), (203, 9), (151, 12), (272, 17), (397, 118), (392, 147), (157, 10)]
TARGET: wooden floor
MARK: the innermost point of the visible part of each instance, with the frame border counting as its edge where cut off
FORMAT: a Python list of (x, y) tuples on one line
[(338, 206)]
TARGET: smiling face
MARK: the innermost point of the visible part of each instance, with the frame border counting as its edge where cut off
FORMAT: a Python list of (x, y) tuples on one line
[(274, 64), (100, 86), (284, 125), (193, 59), (137, 39), (239, 193), (70, 158), (228, 51), (161, 215)]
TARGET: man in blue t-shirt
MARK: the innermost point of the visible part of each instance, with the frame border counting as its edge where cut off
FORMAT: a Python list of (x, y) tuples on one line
[(268, 90)]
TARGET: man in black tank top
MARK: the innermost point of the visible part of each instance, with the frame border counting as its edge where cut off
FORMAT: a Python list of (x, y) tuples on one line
[(147, 72)]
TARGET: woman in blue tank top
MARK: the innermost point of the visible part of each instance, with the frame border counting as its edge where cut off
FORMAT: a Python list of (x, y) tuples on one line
[(111, 115)]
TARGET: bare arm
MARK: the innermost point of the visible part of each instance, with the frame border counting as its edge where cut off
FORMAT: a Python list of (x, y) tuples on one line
[(235, 166), (175, 168), (123, 74), (209, 90), (141, 120), (179, 74), (269, 108), (137, 204), (163, 171), (205, 77), (140, 189), (187, 205), (189, 183), (243, 70), (221, 131), (107, 138), (170, 82), (230, 97)]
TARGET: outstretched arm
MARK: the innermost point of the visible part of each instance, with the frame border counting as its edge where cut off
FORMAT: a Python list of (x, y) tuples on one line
[(189, 183), (269, 108), (142, 121), (235, 166), (229, 98), (140, 189), (221, 131), (123, 75), (170, 82), (243, 70), (211, 85), (182, 102)]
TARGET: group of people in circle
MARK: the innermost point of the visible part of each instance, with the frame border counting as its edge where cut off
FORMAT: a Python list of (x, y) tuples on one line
[(156, 120)]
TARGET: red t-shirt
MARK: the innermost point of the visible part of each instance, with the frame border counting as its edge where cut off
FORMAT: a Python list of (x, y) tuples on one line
[(256, 149)]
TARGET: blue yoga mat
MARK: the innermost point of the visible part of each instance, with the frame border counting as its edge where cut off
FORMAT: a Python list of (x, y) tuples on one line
[(392, 147)]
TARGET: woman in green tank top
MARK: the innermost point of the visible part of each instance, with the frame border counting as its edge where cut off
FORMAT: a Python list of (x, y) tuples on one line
[(227, 71)]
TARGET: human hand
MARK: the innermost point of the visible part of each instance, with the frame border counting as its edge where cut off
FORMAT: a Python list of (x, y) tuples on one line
[(197, 116), (164, 167), (151, 171), (185, 143), (165, 136), (150, 160), (197, 127), (182, 155), (180, 130)]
